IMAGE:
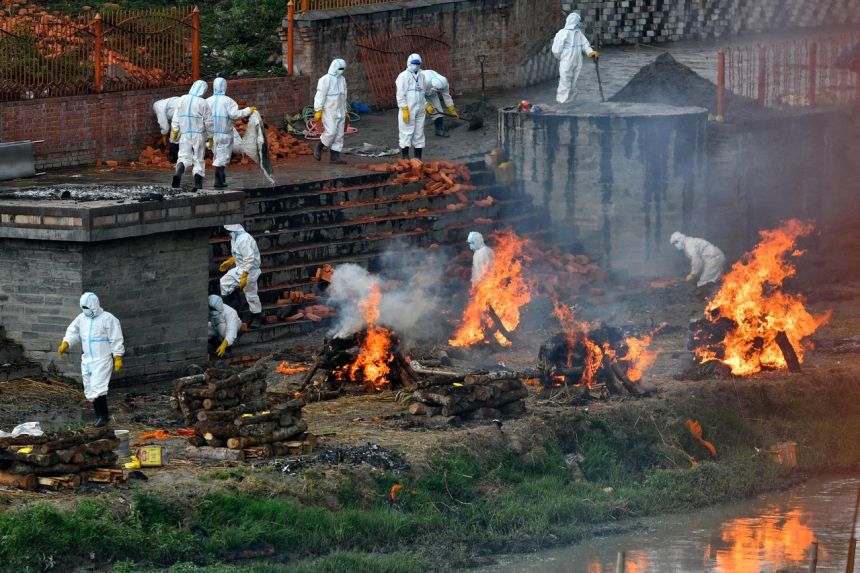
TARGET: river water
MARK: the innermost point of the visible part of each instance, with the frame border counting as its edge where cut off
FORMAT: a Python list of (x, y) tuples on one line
[(768, 534)]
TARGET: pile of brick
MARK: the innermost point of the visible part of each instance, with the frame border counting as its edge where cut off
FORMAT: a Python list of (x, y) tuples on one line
[(314, 312), (440, 177), (59, 459), (232, 420), (486, 396)]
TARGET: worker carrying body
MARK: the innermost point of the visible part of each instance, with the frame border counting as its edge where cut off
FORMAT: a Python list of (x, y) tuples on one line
[(192, 125), (330, 108), (245, 263), (707, 260), (100, 335), (224, 323), (164, 110), (224, 111), (438, 92), (568, 47), (412, 86), (482, 259)]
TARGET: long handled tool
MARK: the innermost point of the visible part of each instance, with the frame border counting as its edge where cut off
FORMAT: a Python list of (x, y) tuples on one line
[(599, 83), (475, 120)]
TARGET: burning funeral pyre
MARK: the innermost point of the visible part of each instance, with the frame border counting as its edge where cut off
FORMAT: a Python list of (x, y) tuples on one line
[(751, 325)]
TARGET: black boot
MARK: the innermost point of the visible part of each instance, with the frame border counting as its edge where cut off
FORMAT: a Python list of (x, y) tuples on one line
[(334, 157), (418, 151), (404, 152), (439, 122), (256, 320), (101, 409), (318, 149), (198, 181), (177, 177), (173, 152), (220, 178)]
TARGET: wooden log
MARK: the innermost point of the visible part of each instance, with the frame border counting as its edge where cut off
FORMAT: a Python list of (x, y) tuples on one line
[(251, 419), (181, 383), (497, 322), (27, 481), (433, 398), (216, 416), (788, 351), (261, 429), (210, 453), (418, 368), (488, 377), (77, 439), (421, 409), (72, 455), (103, 475), (105, 459), (229, 382), (220, 404), (26, 440), (506, 398), (67, 481), (196, 441), (215, 442), (224, 430), (622, 377), (261, 452), (99, 446)]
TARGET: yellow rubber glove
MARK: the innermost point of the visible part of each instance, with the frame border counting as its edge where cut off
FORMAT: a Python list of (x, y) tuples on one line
[(453, 111), (174, 135), (593, 54), (62, 349), (134, 464), (317, 115), (405, 114), (252, 108), (226, 264), (117, 363), (210, 142), (23, 451), (244, 280), (223, 348), (164, 139), (691, 277), (429, 108)]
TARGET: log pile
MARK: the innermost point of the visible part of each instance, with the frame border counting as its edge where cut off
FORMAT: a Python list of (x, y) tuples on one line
[(477, 396), (59, 459), (229, 411)]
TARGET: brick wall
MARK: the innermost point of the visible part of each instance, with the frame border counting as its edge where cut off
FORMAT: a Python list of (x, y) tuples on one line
[(509, 32), (78, 130)]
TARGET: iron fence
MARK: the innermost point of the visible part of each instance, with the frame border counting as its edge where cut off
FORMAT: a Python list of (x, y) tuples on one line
[(305, 5)]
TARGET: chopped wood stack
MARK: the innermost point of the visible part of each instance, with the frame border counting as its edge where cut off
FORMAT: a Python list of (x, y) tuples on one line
[(58, 459), (229, 411), (441, 177), (314, 312), (483, 396)]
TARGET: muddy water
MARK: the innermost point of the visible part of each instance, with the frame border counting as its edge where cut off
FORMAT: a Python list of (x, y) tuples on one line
[(769, 534)]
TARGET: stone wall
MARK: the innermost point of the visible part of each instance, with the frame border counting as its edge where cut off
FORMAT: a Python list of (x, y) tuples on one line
[(79, 130)]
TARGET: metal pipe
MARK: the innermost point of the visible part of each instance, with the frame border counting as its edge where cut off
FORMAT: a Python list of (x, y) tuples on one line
[(721, 82), (290, 36), (195, 47), (97, 52), (813, 557), (620, 562)]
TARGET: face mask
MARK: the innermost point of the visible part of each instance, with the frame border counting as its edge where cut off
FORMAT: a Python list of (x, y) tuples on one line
[(473, 245), (214, 315), (88, 312), (414, 68), (679, 246), (339, 72)]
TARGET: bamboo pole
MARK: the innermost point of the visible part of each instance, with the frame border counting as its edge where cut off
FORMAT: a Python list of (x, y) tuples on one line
[(195, 55)]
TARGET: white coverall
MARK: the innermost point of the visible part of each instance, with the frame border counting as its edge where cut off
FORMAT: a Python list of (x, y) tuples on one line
[(164, 110), (100, 336), (331, 98), (568, 47), (411, 87), (224, 111), (224, 321), (193, 120), (437, 87), (482, 260), (244, 249), (707, 260)]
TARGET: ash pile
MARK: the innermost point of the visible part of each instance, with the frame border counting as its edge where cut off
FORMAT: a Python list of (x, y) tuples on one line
[(233, 420), (60, 459)]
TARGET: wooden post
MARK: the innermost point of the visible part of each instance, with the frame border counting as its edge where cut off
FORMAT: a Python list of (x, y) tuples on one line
[(620, 563), (762, 75), (306, 5), (813, 557), (195, 47), (97, 52), (852, 543), (290, 36), (812, 71), (721, 82)]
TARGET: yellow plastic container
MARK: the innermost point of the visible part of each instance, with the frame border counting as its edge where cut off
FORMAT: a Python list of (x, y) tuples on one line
[(150, 456), (785, 453)]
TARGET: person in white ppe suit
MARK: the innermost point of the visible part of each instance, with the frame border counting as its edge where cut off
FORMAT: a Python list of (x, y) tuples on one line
[(707, 261), (224, 323), (412, 86), (482, 259), (164, 110), (245, 263), (100, 335), (568, 47), (330, 108), (437, 94), (192, 125), (224, 111)]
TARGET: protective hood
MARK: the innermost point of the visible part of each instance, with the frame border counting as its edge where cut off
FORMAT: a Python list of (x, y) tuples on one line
[(234, 228), (335, 68), (438, 82), (413, 67), (572, 20), (91, 302), (677, 239), (475, 240), (198, 88), (219, 86), (215, 302)]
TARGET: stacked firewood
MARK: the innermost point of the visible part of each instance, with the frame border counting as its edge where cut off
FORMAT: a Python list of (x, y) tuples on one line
[(229, 411), (483, 396), (59, 459), (440, 177)]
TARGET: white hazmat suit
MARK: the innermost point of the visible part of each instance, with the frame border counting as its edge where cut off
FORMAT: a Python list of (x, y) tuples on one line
[(482, 260), (224, 111), (244, 250), (707, 261), (568, 47), (100, 335), (412, 86), (331, 99), (224, 321), (164, 110), (438, 93), (193, 121)]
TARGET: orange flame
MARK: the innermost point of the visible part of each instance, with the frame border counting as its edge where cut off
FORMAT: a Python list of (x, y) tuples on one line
[(375, 355), (751, 295), (638, 355), (286, 368), (503, 289)]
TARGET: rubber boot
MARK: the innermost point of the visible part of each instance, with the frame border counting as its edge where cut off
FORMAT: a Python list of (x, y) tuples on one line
[(404, 152), (318, 149), (334, 157), (220, 178), (101, 409), (418, 152), (439, 123), (177, 177), (198, 181), (256, 320), (173, 152)]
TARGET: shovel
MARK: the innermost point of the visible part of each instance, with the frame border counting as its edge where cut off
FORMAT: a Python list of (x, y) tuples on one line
[(475, 121), (599, 83)]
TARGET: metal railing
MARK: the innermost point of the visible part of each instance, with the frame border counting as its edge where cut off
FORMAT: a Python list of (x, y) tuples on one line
[(797, 73), (305, 5), (119, 50)]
